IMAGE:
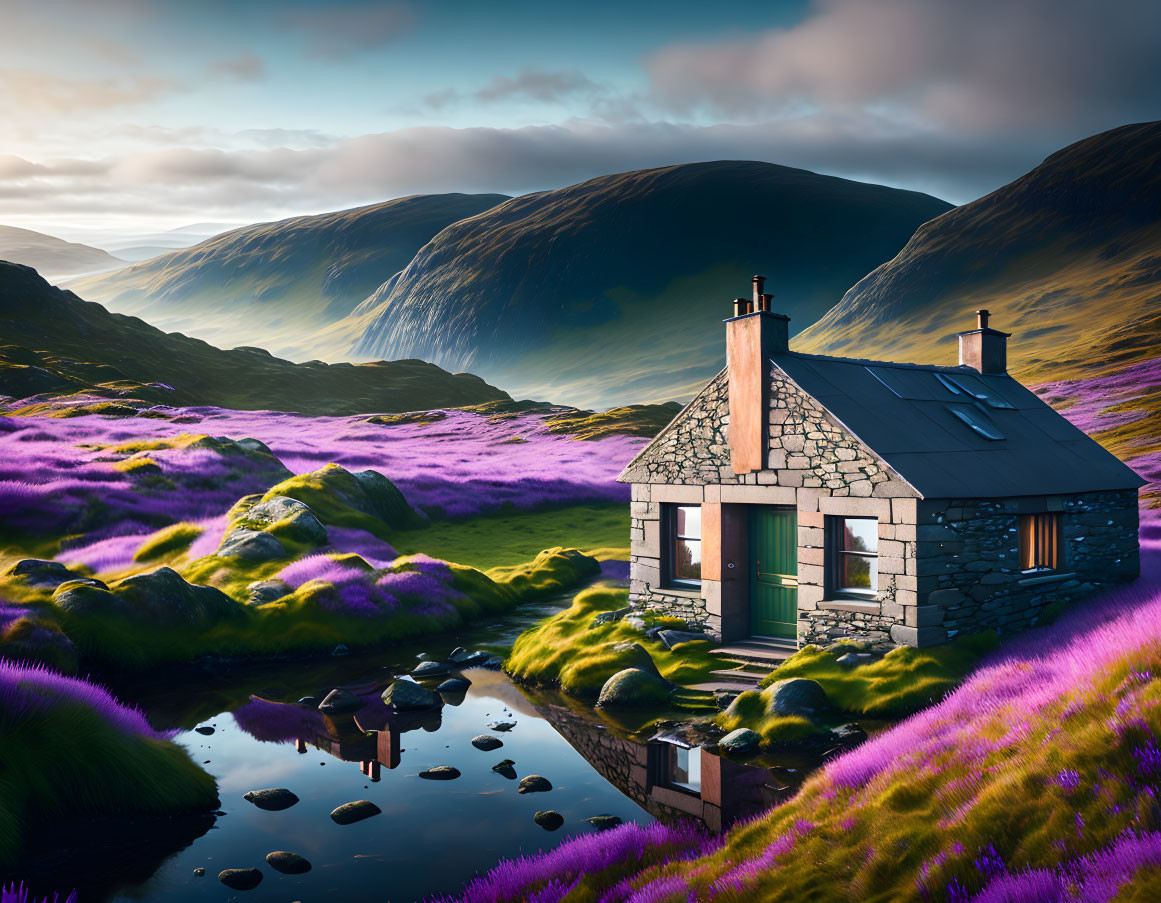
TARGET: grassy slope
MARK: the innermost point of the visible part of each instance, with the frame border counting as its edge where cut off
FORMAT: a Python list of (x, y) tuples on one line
[(275, 284), (1065, 257), (502, 540), (619, 306), (51, 255), (62, 344)]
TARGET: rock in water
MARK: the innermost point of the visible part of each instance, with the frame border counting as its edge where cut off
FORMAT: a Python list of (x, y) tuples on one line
[(604, 822), (459, 655), (429, 669), (287, 863), (454, 685), (339, 702), (534, 783), (407, 694), (796, 696), (741, 741), (205, 730), (486, 743), (633, 688), (349, 813), (505, 769), (502, 726), (549, 820), (273, 799), (240, 879), (441, 773)]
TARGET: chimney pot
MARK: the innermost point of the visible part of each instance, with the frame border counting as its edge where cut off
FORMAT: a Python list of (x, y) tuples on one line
[(740, 306), (759, 284), (767, 302), (982, 316)]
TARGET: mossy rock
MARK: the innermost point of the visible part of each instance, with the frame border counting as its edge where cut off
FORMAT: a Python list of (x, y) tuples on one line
[(634, 688), (287, 518), (795, 696), (366, 500)]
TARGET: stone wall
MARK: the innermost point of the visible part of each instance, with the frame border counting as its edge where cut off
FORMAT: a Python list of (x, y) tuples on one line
[(969, 568), (815, 466)]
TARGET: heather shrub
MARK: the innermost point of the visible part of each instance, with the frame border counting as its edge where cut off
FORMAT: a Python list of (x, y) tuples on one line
[(568, 650), (68, 747), (903, 681)]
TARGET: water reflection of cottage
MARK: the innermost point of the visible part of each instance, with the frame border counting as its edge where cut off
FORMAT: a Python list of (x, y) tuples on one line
[(667, 779)]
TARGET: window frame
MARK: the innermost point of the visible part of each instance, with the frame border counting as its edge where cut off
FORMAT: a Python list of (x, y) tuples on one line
[(834, 554), (662, 757), (672, 539), (1031, 544)]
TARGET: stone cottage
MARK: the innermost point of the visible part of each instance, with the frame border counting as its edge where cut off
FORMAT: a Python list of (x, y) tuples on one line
[(806, 498)]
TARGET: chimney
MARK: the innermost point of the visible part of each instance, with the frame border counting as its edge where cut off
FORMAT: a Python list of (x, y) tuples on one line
[(983, 348), (753, 336)]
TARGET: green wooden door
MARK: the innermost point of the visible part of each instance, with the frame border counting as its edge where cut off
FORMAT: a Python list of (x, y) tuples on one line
[(773, 572)]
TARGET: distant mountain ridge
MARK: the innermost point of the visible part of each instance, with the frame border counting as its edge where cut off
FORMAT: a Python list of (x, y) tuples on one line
[(1067, 258), (55, 257), (52, 343), (277, 284), (613, 290)]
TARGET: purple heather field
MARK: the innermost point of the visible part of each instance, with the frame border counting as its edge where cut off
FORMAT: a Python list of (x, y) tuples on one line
[(58, 475)]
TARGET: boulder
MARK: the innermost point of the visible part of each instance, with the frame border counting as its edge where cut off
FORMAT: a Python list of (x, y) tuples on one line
[(534, 783), (251, 545), (486, 743), (475, 660), (430, 669), (294, 519), (633, 688), (672, 638), (454, 685), (550, 820), (502, 726), (273, 799), (459, 655), (608, 617), (383, 499), (740, 742), (240, 879), (162, 598), (252, 444), (205, 730), (854, 659), (405, 695), (505, 768), (604, 822), (795, 696), (349, 813), (440, 773), (263, 591), (340, 701), (288, 863), (82, 597), (634, 655), (43, 572)]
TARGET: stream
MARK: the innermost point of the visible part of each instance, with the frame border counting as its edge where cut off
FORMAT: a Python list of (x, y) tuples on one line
[(432, 836)]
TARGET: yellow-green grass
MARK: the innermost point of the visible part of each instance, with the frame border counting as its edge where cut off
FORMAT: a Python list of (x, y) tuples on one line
[(750, 710), (503, 540), (567, 651), (69, 760), (169, 543), (901, 682)]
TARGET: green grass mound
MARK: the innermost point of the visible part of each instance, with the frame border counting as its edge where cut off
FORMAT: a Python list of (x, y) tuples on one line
[(68, 748), (570, 651), (167, 542), (644, 420), (903, 681), (754, 710), (365, 500)]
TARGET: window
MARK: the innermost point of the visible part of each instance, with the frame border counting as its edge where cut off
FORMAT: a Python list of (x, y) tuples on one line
[(1039, 542), (676, 766), (854, 543), (684, 544)]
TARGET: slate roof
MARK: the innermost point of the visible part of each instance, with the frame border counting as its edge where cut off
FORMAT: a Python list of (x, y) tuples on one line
[(952, 432)]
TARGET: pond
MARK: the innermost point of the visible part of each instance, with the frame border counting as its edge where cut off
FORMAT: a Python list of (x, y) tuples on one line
[(431, 836)]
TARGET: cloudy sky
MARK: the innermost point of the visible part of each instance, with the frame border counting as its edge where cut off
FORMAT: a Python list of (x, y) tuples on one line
[(135, 115)]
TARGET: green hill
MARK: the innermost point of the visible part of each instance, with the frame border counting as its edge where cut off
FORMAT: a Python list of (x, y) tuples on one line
[(276, 284), (52, 342), (613, 290)]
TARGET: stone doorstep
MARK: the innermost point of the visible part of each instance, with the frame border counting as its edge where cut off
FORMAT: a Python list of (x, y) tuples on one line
[(760, 652)]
